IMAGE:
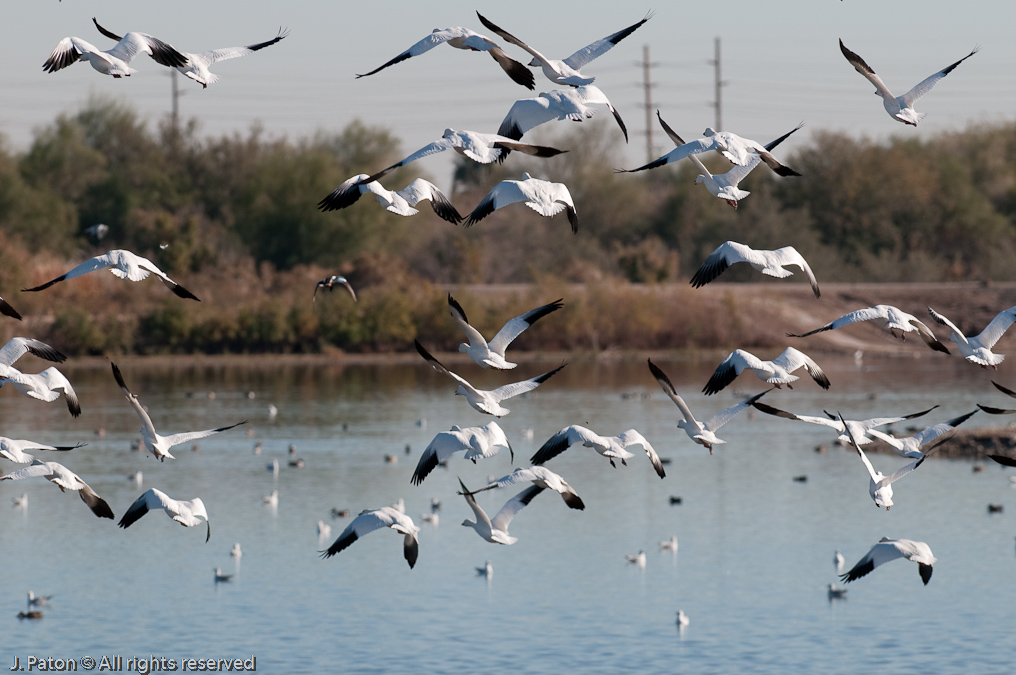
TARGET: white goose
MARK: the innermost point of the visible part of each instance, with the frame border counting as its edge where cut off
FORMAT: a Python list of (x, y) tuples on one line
[(186, 512), (543, 477), (900, 108), (488, 402), (771, 263), (880, 487), (495, 530), (887, 550), (910, 446), (476, 442), (155, 443), (65, 479), (491, 354), (703, 433), (197, 65), (611, 447), (123, 264), (573, 104), (777, 372), (14, 450), (859, 428), (115, 61), (400, 202), (368, 521), (45, 386), (977, 349), (567, 71), (893, 318), (546, 198), (467, 40)]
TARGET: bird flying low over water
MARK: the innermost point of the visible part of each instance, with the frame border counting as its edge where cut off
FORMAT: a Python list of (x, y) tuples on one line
[(482, 148), (187, 513), (977, 349), (65, 479), (887, 550), (560, 104), (488, 402), (123, 264), (197, 65), (330, 283), (911, 446), (495, 530), (491, 354), (771, 263), (703, 433), (465, 39), (476, 442), (777, 372), (45, 386), (611, 447), (880, 487), (115, 61), (400, 202), (900, 108), (895, 319), (155, 443), (14, 450), (859, 428), (546, 198), (544, 478), (368, 521), (567, 71)]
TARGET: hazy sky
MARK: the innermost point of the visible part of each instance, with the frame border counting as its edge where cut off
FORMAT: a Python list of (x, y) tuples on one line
[(780, 62)]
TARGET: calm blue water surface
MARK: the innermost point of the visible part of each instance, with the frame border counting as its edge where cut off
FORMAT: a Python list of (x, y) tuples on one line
[(755, 553)]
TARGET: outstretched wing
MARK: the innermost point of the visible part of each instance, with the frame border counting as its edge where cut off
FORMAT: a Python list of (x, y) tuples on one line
[(601, 47), (864, 69), (516, 326), (516, 388), (926, 85), (514, 505)]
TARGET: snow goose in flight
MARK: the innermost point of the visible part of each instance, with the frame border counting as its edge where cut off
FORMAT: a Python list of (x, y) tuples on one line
[(155, 443), (777, 372), (196, 65), (771, 263), (6, 309), (65, 479), (859, 428), (495, 530), (880, 487), (702, 433), (482, 148), (895, 319), (123, 264), (977, 349), (115, 61), (543, 477), (488, 402), (887, 550), (400, 202), (476, 442), (900, 108), (330, 283), (17, 347), (14, 450), (368, 521), (491, 355), (611, 447), (187, 513), (546, 198), (465, 39), (738, 150), (45, 386), (910, 446), (567, 71)]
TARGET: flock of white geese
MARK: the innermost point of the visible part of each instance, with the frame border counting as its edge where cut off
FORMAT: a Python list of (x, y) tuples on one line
[(574, 101)]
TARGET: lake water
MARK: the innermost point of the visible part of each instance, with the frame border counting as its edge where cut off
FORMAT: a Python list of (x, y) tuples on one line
[(755, 546)]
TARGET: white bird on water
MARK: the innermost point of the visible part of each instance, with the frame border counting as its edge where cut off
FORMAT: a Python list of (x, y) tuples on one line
[(567, 71), (495, 530), (476, 442), (122, 264), (324, 530), (65, 479), (20, 502), (611, 447), (368, 521), (779, 371), (492, 354), (838, 560), (186, 512), (38, 600), (220, 577), (703, 433), (400, 202), (900, 108), (887, 550), (682, 619), (638, 559), (272, 500), (486, 571), (197, 66), (236, 551), (771, 263), (155, 443), (115, 61), (546, 198), (893, 318), (543, 477), (977, 349), (669, 544), (488, 402)]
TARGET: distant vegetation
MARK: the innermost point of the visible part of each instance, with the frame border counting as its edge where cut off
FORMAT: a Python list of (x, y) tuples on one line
[(239, 216)]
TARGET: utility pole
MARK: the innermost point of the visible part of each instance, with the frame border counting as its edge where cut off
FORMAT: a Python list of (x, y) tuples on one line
[(647, 86), (718, 85), (176, 105)]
